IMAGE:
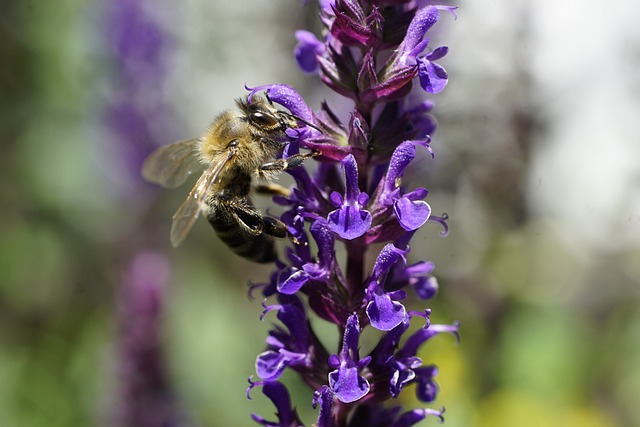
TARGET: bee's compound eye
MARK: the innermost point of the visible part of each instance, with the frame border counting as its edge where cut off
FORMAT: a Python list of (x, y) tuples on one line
[(264, 119)]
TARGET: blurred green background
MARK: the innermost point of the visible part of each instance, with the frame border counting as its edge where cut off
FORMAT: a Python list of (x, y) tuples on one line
[(536, 164)]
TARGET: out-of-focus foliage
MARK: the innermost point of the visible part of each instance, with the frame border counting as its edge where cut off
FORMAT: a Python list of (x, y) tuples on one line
[(536, 164)]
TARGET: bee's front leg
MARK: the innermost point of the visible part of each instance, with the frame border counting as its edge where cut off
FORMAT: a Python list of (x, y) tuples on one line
[(281, 165)]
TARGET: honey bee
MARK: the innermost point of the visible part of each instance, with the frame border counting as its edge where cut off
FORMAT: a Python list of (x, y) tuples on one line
[(238, 147)]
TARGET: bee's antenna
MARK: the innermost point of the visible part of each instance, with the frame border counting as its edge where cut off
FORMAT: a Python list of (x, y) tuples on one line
[(301, 120)]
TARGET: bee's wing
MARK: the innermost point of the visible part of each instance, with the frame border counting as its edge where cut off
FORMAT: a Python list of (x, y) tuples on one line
[(171, 165), (189, 210)]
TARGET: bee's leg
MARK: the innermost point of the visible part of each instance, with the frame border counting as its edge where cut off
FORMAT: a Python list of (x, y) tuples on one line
[(294, 161), (273, 189), (274, 227)]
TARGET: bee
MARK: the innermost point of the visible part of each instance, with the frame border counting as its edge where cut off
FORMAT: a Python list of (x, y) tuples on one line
[(238, 147)]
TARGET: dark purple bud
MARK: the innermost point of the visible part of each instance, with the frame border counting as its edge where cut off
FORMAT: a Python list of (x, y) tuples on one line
[(426, 287), (358, 131), (353, 28), (367, 75), (391, 86), (338, 69), (427, 388)]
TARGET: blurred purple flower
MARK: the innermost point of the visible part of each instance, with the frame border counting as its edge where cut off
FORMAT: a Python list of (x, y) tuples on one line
[(145, 397), (307, 51), (138, 48)]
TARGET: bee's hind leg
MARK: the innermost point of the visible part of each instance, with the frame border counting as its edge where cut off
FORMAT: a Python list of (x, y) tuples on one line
[(275, 227), (273, 190)]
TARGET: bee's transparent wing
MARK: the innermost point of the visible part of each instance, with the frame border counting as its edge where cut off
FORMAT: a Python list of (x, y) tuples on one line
[(171, 165), (189, 210)]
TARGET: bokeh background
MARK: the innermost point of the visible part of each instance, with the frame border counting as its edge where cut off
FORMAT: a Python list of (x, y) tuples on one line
[(537, 164)]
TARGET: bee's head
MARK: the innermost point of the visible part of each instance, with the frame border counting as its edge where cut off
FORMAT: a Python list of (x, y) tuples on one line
[(262, 115)]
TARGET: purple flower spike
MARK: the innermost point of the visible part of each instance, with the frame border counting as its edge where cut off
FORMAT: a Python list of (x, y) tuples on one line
[(278, 394), (346, 382), (307, 51), (372, 54), (351, 220)]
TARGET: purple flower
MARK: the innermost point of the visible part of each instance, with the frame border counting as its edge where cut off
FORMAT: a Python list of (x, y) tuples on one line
[(410, 211), (384, 311), (406, 367), (285, 349), (307, 51), (407, 62), (346, 382), (318, 271), (351, 219), (138, 47), (278, 394)]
